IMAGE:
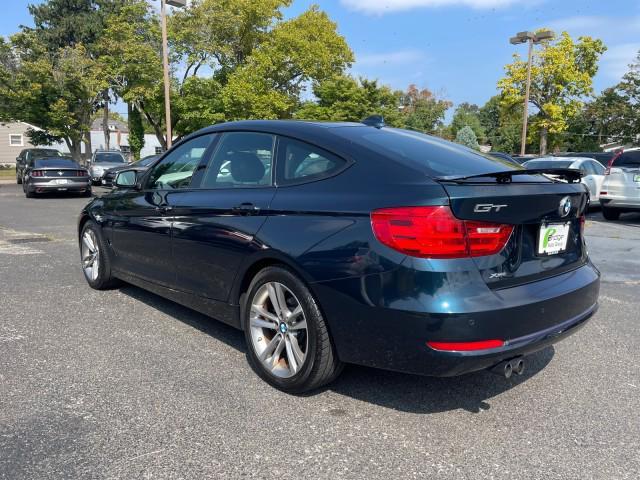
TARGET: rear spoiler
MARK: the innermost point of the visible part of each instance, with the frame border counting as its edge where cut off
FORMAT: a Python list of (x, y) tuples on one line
[(569, 174)]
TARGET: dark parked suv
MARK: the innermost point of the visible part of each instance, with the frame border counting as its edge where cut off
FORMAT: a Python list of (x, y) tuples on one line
[(333, 243)]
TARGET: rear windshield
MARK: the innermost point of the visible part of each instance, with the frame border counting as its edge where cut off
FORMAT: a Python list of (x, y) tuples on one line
[(44, 152), (56, 163), (534, 164), (628, 159), (438, 157), (109, 158)]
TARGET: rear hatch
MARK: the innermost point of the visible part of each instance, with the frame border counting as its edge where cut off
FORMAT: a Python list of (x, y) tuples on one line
[(547, 218), (623, 176)]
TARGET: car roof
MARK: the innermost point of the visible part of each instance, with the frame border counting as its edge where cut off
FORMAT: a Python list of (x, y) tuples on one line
[(560, 159)]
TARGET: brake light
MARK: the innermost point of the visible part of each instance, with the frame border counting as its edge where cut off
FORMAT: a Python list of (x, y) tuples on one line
[(433, 232), (37, 173), (465, 346), (81, 173), (583, 220)]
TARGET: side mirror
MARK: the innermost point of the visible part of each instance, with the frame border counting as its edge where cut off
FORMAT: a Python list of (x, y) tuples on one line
[(126, 179)]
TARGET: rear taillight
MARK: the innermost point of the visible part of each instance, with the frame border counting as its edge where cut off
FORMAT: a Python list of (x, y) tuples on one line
[(37, 173), (583, 220), (81, 173), (465, 346), (433, 232)]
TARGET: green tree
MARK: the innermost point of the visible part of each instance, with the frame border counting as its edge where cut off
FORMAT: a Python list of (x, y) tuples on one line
[(622, 112), (467, 115), (561, 75), (346, 99), (57, 91), (467, 137), (423, 111), (136, 131), (239, 59), (502, 124)]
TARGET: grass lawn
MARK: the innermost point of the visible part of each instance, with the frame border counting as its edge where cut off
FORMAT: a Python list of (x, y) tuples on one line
[(8, 173)]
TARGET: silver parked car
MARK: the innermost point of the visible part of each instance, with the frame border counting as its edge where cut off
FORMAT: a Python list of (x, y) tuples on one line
[(592, 171), (621, 187), (103, 160)]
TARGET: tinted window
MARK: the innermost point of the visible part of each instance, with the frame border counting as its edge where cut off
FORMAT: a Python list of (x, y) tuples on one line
[(55, 163), (438, 157), (302, 161), (242, 159), (177, 167), (628, 159), (537, 164), (109, 158), (146, 161), (43, 152)]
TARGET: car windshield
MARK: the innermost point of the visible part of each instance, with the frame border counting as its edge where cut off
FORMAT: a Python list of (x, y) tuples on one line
[(56, 163), (438, 157), (543, 164), (45, 152), (109, 158), (628, 159)]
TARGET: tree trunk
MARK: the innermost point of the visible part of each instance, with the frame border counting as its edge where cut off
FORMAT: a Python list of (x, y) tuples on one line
[(88, 148), (74, 149), (105, 121), (543, 140)]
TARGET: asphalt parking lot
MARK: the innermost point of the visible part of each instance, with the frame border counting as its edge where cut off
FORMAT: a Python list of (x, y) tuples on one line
[(124, 384)]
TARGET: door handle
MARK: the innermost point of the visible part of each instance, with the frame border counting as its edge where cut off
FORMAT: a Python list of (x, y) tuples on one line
[(246, 208)]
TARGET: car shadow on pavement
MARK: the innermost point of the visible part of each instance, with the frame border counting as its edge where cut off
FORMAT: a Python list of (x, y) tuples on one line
[(398, 391), (425, 395)]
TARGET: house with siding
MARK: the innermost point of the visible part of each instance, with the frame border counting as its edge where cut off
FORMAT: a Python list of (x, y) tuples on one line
[(14, 139)]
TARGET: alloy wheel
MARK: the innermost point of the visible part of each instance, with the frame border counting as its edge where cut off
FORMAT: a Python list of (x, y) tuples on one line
[(90, 255), (278, 330)]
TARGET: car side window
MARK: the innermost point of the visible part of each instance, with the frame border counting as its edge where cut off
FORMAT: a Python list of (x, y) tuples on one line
[(176, 169), (597, 168), (301, 161), (241, 160)]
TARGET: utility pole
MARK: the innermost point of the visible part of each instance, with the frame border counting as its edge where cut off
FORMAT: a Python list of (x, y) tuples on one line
[(165, 64), (531, 38)]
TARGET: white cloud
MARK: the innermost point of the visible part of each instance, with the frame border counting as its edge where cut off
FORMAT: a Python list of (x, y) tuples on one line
[(595, 26), (398, 57), (384, 6), (616, 60)]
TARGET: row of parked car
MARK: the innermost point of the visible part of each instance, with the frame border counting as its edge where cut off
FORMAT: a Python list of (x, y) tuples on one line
[(46, 170), (612, 178)]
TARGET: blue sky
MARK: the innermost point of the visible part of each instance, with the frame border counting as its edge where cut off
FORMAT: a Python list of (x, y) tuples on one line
[(456, 48)]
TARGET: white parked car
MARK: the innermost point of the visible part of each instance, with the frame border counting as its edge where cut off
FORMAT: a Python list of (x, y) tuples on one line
[(593, 173), (620, 190)]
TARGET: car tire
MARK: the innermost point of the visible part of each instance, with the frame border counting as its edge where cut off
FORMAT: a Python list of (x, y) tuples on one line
[(320, 364), (28, 194), (18, 179), (87, 193), (610, 213), (102, 278)]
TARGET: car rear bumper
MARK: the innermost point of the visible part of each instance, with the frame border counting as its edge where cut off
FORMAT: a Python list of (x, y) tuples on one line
[(49, 186), (622, 202), (530, 317)]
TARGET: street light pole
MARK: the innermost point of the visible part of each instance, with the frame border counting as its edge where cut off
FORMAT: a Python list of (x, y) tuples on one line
[(165, 68), (531, 38), (165, 63)]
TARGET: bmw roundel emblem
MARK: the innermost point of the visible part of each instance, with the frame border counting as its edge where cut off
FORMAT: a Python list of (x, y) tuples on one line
[(565, 207), (283, 327)]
